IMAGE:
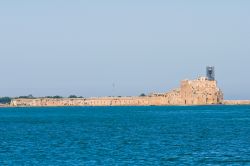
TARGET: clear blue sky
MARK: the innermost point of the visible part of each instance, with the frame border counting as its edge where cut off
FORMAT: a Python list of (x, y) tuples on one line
[(125, 47)]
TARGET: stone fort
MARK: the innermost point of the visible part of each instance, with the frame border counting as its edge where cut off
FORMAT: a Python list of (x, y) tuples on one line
[(201, 91)]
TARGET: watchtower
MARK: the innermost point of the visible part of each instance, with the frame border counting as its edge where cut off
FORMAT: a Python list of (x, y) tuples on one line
[(210, 73)]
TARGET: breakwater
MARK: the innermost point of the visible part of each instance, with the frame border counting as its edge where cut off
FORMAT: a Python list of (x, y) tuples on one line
[(236, 102)]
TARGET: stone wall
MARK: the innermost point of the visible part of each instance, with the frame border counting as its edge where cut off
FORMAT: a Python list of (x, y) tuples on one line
[(102, 101), (191, 92), (236, 102), (200, 91)]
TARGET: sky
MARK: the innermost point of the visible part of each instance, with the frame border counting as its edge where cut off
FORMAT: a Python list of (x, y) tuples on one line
[(122, 48)]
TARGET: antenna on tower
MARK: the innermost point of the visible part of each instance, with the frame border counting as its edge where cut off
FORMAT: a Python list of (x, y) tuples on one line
[(210, 73)]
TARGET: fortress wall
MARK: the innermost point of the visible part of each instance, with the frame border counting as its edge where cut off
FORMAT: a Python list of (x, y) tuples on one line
[(200, 92), (194, 92), (108, 101)]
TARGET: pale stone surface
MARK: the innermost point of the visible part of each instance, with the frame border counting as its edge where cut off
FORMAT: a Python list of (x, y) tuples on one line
[(4, 105), (191, 92), (236, 102)]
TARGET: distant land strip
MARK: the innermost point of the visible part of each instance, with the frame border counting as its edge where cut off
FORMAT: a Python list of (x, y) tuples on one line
[(201, 91)]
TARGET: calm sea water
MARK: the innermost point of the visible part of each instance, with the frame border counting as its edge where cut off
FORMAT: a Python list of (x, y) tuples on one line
[(214, 135)]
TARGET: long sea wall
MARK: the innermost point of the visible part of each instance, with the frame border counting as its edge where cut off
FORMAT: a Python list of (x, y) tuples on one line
[(191, 92), (236, 102)]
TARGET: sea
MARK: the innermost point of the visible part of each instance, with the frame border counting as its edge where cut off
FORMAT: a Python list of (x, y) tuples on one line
[(172, 135)]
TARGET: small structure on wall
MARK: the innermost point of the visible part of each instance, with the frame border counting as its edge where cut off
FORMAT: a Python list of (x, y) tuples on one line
[(210, 73)]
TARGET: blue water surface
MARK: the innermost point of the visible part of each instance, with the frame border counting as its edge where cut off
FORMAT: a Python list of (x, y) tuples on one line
[(202, 135)]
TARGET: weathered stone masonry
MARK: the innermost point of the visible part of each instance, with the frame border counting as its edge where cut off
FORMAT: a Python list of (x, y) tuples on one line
[(191, 92)]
